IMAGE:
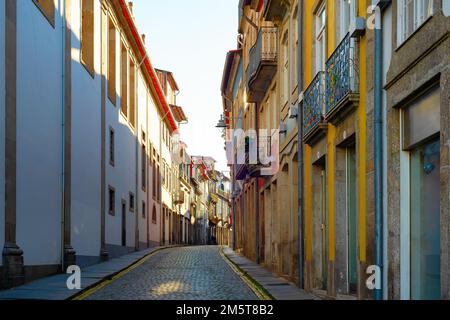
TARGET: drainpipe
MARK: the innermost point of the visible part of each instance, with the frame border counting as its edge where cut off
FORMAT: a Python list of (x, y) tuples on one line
[(257, 235), (378, 152), (63, 105), (301, 251)]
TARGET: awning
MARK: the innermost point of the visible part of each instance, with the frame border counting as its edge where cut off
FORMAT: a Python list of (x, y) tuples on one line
[(178, 113)]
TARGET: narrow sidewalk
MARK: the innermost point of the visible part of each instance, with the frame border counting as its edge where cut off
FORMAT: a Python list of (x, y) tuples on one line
[(278, 288), (55, 287)]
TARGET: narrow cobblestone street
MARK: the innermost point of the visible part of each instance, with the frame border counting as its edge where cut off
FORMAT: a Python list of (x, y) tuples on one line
[(186, 273)]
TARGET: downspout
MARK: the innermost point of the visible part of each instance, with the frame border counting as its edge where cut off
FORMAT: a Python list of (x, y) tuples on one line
[(63, 105), (300, 262), (257, 235), (378, 152), (137, 133)]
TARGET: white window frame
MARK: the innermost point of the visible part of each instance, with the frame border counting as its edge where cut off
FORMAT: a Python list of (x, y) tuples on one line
[(420, 17), (285, 75), (321, 36), (351, 17)]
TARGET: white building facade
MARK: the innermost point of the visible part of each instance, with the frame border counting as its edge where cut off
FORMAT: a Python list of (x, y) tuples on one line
[(82, 112)]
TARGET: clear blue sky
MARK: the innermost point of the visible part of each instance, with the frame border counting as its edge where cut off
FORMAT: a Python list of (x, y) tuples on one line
[(191, 38)]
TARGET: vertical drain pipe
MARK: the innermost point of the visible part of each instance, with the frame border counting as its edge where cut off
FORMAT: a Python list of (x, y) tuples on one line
[(300, 262), (257, 235), (378, 151), (63, 105)]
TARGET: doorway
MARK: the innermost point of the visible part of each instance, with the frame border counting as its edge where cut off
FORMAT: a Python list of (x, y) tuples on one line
[(124, 223), (320, 225), (425, 222)]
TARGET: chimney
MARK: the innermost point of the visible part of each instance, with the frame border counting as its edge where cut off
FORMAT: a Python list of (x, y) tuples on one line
[(130, 6), (143, 38)]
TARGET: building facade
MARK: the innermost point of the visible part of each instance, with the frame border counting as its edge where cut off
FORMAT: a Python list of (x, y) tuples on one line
[(87, 168), (358, 91)]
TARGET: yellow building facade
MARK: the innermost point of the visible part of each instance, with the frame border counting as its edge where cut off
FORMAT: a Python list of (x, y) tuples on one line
[(322, 233)]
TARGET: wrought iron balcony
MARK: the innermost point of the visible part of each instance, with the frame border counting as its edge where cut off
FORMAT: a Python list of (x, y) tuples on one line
[(262, 65), (274, 9), (342, 79), (314, 105)]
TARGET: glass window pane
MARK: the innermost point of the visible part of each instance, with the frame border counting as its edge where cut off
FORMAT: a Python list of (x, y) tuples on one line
[(425, 222), (422, 118)]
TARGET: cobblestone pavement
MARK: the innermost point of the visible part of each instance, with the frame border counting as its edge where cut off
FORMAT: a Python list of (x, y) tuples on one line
[(184, 273)]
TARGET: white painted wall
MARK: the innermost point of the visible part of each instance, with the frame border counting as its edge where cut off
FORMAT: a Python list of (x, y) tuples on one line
[(39, 136), (154, 135), (123, 175), (2, 125), (142, 126), (86, 144)]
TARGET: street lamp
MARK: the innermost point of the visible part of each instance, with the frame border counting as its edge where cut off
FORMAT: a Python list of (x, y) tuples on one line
[(222, 125)]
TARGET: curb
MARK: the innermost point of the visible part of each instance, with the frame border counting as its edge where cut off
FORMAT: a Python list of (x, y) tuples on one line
[(88, 291), (254, 285)]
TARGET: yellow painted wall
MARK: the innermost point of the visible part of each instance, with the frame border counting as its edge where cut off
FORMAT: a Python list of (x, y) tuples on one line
[(362, 6)]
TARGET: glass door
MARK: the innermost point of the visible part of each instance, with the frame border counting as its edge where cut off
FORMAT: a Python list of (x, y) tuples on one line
[(425, 222)]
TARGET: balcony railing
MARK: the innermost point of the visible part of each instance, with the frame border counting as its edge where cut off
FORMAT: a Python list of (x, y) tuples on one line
[(262, 64), (342, 74), (314, 103)]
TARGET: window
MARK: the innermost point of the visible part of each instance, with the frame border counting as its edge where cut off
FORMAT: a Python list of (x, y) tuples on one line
[(346, 13), (143, 164), (411, 15), (132, 94), (112, 201), (124, 81), (154, 215), (285, 44), (294, 49), (87, 35), (131, 202), (111, 147), (321, 46), (154, 179), (47, 7), (422, 119), (158, 182), (111, 62), (144, 210)]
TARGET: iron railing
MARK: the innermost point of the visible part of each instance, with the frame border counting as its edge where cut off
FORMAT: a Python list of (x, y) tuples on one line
[(314, 103), (342, 74), (264, 50)]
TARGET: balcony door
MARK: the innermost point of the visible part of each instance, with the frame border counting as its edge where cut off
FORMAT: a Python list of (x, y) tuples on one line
[(321, 38)]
